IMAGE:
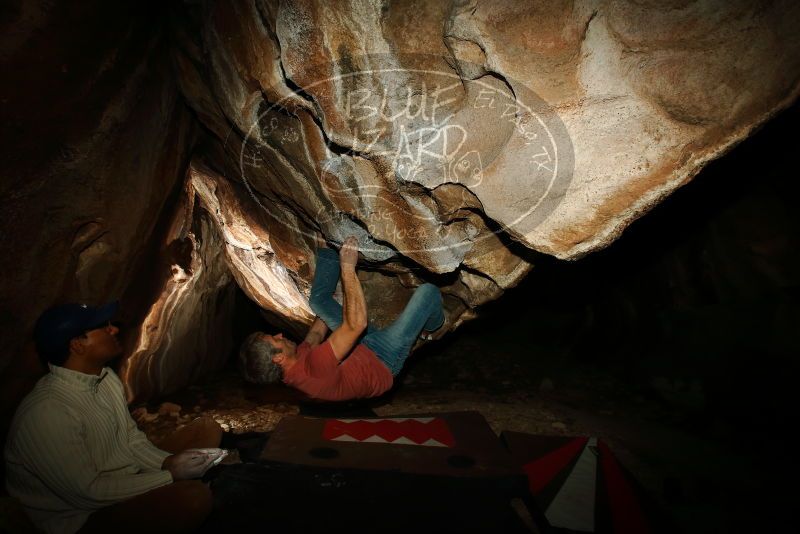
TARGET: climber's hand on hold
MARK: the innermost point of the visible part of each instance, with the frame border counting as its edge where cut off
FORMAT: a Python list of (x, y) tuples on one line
[(348, 254)]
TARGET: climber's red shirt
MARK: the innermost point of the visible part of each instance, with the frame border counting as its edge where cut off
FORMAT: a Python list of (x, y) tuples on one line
[(318, 373)]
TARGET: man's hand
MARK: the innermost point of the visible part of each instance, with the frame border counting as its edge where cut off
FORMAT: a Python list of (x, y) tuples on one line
[(348, 254), (192, 463)]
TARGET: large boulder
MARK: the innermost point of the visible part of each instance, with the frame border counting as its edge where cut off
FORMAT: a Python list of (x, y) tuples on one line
[(458, 139)]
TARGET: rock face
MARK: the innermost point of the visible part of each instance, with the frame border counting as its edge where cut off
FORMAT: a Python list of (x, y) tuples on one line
[(186, 333), (95, 140), (457, 139), (249, 253)]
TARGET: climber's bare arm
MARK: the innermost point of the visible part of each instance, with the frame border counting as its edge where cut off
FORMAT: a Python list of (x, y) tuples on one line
[(354, 307), (316, 333)]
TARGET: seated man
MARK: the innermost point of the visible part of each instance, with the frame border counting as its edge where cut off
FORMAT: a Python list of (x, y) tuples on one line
[(75, 458), (337, 368)]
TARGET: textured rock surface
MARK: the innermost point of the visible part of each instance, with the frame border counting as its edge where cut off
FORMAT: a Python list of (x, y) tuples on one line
[(94, 141), (336, 117), (186, 332), (457, 139), (249, 253)]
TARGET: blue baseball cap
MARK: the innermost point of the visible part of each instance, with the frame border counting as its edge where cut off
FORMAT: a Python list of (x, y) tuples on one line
[(57, 326)]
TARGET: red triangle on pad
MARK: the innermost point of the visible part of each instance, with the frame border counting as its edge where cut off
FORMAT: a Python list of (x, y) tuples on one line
[(542, 470)]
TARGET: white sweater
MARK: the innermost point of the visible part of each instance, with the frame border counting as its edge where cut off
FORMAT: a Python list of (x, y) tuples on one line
[(73, 448)]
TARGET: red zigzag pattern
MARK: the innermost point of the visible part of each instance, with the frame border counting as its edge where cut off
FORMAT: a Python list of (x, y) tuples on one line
[(414, 430)]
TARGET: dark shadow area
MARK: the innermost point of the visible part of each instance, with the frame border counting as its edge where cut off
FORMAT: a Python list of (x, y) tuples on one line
[(705, 287), (303, 499), (247, 319), (693, 312)]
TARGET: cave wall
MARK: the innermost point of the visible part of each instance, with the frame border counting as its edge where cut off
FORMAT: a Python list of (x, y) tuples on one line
[(695, 306), (570, 120), (185, 332), (95, 141), (621, 102)]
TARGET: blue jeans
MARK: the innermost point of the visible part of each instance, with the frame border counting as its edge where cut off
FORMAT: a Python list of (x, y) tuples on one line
[(392, 344)]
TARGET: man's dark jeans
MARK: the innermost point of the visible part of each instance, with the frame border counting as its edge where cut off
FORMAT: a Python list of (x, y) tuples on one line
[(392, 344)]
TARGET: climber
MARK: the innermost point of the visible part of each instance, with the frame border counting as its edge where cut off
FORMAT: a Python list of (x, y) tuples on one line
[(340, 367)]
